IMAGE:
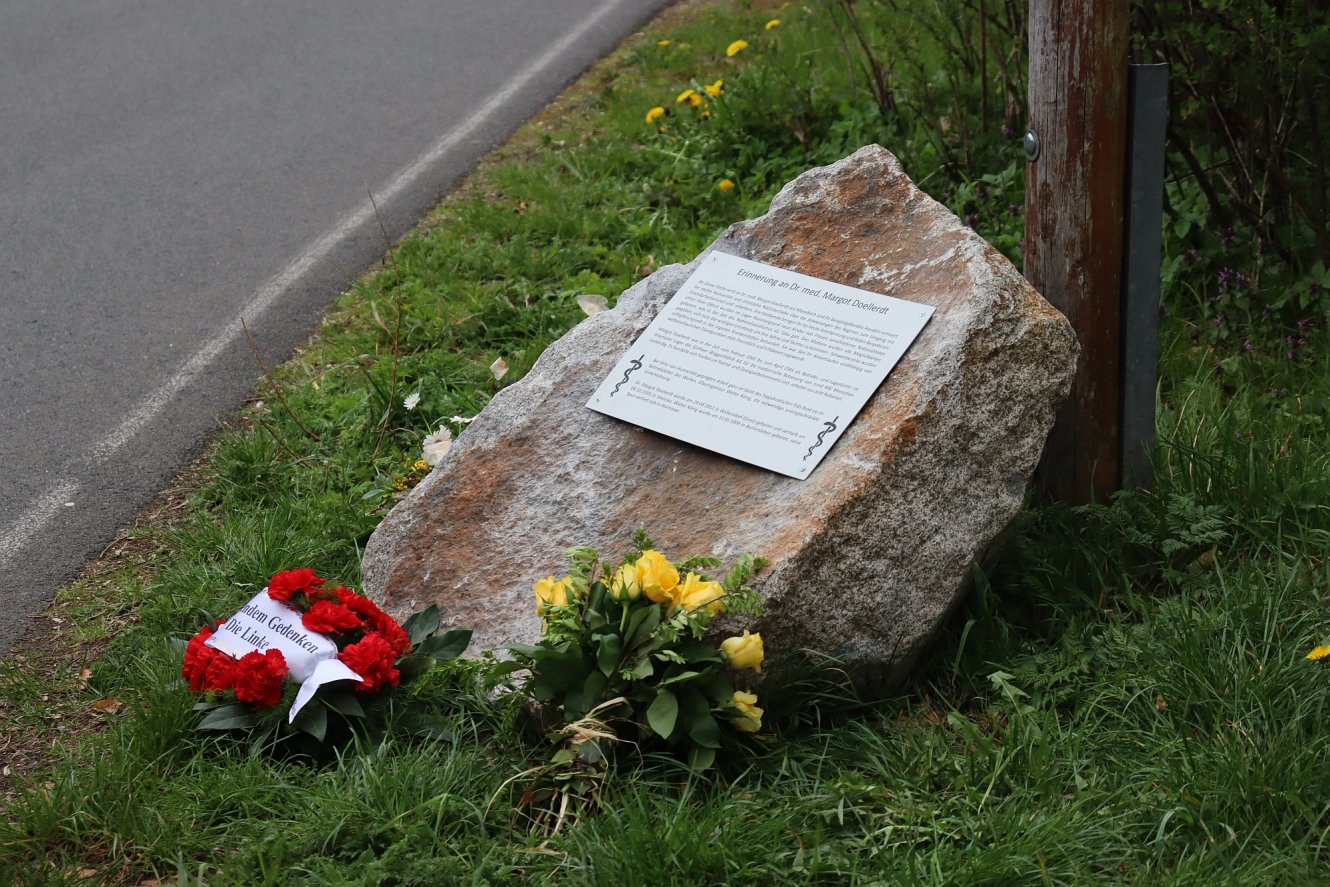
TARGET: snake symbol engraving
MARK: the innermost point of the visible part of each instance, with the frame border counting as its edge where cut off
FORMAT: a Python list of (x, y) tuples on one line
[(831, 426), (636, 365)]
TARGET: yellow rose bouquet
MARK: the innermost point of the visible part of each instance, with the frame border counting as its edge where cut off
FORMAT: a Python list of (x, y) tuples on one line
[(624, 655)]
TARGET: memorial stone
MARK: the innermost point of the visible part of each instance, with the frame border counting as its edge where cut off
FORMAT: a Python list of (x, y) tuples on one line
[(870, 552)]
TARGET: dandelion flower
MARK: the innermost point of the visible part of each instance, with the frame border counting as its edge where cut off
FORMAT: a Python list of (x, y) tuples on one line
[(774, 23), (655, 114), (715, 89), (735, 48), (499, 368), (662, 43), (411, 400), (725, 185), (1319, 652), (435, 446), (688, 95)]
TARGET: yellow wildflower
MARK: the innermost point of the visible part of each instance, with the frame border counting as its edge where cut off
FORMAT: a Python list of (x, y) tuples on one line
[(735, 48), (655, 114), (662, 43), (774, 23), (725, 185), (705, 115), (715, 89), (1319, 652), (420, 466), (691, 96)]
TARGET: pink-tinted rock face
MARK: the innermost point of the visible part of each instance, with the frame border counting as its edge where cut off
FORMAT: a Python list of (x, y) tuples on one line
[(870, 552)]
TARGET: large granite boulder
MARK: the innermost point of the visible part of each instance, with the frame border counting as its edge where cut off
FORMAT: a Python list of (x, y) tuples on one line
[(870, 552)]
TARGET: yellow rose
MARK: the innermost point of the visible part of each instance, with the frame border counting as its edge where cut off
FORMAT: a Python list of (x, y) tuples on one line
[(624, 586), (657, 577), (744, 652), (750, 716), (694, 593), (550, 594)]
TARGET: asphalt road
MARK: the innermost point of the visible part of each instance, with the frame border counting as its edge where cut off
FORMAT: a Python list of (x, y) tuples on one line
[(169, 166)]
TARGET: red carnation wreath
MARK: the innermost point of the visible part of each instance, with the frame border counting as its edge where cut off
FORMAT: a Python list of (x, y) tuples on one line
[(369, 642)]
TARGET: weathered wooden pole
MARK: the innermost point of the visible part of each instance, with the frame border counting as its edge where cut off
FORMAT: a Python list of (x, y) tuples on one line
[(1074, 224)]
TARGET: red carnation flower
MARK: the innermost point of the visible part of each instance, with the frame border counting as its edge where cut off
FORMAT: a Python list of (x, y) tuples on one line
[(221, 672), (326, 617), (288, 583), (258, 678), (198, 656), (378, 620), (372, 657)]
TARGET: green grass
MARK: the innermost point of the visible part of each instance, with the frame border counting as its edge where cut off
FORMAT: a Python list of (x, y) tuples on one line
[(1123, 699)]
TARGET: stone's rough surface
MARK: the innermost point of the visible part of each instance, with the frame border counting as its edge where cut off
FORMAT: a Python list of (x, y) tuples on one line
[(870, 552)]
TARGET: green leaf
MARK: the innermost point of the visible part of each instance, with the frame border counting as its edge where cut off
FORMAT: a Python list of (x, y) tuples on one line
[(414, 666), (530, 651), (643, 669), (313, 719), (681, 676), (555, 673), (641, 624), (701, 758), (423, 624), (593, 689), (699, 721), (697, 652), (448, 645), (343, 701), (233, 716), (607, 654), (663, 714), (500, 670)]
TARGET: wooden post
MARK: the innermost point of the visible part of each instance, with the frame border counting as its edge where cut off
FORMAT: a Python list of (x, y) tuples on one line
[(1073, 224)]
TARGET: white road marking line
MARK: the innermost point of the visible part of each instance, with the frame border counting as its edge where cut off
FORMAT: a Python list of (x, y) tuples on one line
[(42, 510)]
